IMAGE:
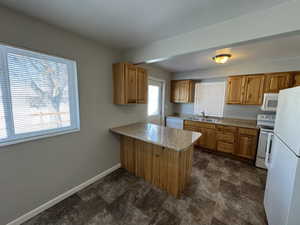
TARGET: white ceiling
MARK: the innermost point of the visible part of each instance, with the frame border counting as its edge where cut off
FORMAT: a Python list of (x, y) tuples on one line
[(281, 47), (131, 23)]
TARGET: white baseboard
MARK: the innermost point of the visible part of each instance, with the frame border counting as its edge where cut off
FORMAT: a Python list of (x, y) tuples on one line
[(61, 197)]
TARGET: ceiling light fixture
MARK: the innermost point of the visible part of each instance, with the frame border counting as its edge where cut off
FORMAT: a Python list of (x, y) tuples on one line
[(222, 58)]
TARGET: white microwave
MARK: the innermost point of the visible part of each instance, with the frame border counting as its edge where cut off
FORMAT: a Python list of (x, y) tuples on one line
[(270, 102)]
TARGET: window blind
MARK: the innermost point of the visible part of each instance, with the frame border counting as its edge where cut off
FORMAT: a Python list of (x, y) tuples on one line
[(209, 98), (2, 118), (39, 95)]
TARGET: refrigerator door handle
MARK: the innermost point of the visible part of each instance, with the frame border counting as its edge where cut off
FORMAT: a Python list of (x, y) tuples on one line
[(268, 150)]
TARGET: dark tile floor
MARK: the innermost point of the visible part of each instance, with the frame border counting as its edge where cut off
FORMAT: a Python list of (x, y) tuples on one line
[(222, 192)]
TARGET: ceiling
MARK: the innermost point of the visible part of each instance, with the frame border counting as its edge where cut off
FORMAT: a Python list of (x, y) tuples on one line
[(131, 23), (281, 47)]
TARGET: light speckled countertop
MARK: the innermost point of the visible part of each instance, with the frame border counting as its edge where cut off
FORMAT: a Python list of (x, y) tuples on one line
[(163, 136), (224, 121)]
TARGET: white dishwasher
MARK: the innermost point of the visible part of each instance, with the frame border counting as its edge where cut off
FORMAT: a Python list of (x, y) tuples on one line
[(174, 122)]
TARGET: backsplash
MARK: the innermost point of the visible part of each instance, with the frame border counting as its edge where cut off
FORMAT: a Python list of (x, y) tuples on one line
[(230, 111)]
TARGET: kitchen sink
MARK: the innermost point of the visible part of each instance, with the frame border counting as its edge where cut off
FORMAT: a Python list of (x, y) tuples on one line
[(202, 119)]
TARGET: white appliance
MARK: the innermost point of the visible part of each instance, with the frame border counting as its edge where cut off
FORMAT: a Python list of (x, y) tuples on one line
[(174, 122), (266, 124), (270, 102), (282, 194)]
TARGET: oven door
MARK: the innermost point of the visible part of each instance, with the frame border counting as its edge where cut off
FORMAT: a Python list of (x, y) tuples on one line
[(262, 148)]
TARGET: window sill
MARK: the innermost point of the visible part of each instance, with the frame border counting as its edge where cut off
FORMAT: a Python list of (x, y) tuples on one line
[(18, 141)]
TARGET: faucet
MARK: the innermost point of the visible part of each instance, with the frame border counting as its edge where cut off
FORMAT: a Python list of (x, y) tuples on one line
[(203, 114)]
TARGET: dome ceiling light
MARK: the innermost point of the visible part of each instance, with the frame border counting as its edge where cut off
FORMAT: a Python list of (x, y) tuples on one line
[(222, 58)]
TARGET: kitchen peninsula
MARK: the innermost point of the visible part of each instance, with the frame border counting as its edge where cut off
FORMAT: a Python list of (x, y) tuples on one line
[(161, 155)]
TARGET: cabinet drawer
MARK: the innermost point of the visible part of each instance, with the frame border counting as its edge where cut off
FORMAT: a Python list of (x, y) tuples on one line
[(225, 147), (226, 137), (199, 124), (226, 128), (247, 131)]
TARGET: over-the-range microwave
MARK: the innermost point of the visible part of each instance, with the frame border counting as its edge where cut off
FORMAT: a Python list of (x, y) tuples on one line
[(270, 102)]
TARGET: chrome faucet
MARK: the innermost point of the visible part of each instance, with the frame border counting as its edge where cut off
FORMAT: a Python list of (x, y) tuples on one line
[(203, 114)]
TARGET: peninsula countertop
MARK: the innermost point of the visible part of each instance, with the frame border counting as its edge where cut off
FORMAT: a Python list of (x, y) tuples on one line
[(159, 135)]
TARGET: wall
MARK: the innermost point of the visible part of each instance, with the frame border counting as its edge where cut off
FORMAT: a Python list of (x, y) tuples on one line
[(35, 172), (230, 111)]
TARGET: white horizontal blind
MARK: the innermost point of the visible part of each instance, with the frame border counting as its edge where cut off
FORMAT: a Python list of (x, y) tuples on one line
[(39, 95), (210, 98), (2, 118)]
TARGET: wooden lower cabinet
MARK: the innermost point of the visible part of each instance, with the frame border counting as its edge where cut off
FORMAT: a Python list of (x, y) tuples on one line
[(210, 139), (241, 142), (247, 143), (225, 147), (165, 168)]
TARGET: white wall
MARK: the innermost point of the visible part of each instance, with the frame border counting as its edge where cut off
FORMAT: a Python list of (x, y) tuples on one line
[(35, 172)]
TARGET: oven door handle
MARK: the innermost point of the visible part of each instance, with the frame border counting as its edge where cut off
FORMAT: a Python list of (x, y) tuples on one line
[(268, 150)]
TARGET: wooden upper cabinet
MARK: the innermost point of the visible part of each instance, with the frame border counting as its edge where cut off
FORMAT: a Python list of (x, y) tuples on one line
[(253, 90), (297, 79), (277, 81), (234, 90), (142, 81), (182, 91), (130, 84)]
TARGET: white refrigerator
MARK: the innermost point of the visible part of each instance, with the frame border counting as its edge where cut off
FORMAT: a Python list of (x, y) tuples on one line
[(282, 194)]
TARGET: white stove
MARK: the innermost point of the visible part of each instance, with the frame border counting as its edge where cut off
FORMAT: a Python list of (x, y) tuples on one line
[(266, 124)]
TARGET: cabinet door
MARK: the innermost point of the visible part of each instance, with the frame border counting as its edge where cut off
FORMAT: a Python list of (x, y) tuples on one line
[(210, 138), (202, 139), (276, 82), (174, 91), (297, 80), (142, 86), (183, 91), (246, 146), (131, 84), (225, 147), (253, 90), (234, 93)]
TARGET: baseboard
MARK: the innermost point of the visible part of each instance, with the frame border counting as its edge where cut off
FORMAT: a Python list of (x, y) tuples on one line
[(61, 197)]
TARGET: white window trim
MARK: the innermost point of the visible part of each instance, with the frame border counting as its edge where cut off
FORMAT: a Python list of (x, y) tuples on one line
[(73, 95), (163, 94)]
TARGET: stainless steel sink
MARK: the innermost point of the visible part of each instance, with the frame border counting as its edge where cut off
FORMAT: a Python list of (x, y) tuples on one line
[(202, 119)]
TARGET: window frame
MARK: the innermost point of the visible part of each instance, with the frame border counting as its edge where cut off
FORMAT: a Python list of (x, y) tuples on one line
[(12, 137)]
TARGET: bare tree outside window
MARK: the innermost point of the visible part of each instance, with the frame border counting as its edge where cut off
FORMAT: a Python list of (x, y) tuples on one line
[(56, 82), (45, 87)]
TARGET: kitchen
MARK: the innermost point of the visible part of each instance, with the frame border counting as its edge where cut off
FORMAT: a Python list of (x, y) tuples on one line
[(135, 112)]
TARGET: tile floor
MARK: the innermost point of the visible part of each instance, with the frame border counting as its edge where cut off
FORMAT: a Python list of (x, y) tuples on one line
[(222, 192)]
